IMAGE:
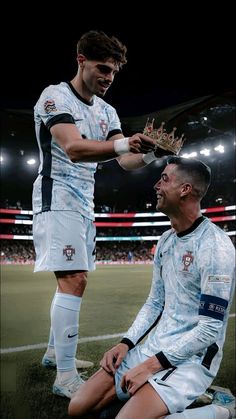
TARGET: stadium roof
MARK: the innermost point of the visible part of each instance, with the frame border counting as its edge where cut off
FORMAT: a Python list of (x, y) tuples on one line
[(200, 119), (207, 122)]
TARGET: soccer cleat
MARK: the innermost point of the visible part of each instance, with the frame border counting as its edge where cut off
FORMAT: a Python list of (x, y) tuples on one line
[(67, 389), (225, 399), (50, 362), (80, 363)]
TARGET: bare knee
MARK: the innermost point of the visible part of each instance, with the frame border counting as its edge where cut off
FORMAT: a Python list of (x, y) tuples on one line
[(80, 406), (96, 393), (72, 282), (72, 408), (76, 407)]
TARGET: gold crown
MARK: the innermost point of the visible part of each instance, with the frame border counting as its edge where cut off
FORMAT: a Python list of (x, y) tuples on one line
[(164, 140)]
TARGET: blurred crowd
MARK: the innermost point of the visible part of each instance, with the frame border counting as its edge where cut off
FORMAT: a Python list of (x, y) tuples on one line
[(136, 251), (22, 252), (17, 251)]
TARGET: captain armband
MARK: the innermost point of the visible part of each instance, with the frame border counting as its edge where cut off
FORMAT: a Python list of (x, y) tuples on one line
[(122, 146), (212, 306)]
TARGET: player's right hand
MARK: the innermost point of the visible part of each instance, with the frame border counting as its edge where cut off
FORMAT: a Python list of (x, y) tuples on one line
[(140, 143), (112, 359)]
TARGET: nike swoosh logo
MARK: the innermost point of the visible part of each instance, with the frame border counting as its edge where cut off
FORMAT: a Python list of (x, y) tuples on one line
[(71, 336)]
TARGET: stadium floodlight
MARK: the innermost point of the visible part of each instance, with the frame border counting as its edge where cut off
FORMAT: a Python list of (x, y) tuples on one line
[(31, 162), (205, 152), (189, 155), (220, 148), (1, 159)]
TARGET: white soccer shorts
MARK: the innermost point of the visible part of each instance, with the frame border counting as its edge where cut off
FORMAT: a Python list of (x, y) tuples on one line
[(63, 241), (178, 388)]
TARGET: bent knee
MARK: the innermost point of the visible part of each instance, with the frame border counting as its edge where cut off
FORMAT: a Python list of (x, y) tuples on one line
[(76, 408), (72, 408)]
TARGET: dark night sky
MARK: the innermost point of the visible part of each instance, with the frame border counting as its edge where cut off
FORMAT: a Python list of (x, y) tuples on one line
[(172, 58)]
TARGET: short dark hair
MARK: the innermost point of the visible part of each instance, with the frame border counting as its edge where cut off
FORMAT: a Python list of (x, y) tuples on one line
[(96, 45), (198, 173)]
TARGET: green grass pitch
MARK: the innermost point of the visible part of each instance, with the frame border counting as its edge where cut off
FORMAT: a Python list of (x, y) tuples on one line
[(112, 299)]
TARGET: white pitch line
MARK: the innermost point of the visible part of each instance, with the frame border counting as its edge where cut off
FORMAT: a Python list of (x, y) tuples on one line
[(44, 345), (81, 340)]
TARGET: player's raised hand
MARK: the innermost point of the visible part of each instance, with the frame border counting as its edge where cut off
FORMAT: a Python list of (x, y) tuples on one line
[(140, 143)]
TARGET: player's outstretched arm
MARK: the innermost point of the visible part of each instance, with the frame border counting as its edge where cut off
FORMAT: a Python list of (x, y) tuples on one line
[(79, 149)]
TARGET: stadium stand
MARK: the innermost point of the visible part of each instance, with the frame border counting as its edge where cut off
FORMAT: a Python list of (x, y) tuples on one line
[(117, 234)]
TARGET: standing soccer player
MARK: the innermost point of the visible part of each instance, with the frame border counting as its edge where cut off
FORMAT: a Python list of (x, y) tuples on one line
[(75, 129)]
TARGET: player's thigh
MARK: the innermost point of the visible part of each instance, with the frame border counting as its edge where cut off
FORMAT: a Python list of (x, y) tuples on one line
[(145, 403), (64, 241), (72, 282)]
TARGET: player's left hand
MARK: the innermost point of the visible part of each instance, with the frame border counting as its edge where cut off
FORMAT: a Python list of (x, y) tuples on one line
[(135, 378), (146, 145), (139, 375)]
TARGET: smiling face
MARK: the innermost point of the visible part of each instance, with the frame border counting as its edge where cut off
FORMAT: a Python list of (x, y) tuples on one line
[(97, 76), (169, 189)]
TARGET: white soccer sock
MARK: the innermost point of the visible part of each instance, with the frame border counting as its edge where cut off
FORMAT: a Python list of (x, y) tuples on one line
[(65, 320), (50, 348), (50, 352), (211, 411)]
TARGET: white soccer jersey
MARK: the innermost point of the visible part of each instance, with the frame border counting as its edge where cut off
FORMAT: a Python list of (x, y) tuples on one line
[(61, 184), (192, 289)]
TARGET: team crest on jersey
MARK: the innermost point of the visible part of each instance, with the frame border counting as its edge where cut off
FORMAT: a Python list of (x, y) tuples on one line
[(69, 251), (103, 126), (187, 259), (50, 106)]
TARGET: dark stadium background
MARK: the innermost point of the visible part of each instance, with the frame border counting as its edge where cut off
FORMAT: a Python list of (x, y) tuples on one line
[(206, 122), (180, 68)]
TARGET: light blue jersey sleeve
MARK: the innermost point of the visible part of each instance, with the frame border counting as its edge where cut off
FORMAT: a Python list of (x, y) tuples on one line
[(53, 101)]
